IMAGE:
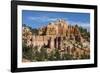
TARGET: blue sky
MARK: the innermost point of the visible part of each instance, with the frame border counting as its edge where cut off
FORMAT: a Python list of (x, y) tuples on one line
[(36, 19)]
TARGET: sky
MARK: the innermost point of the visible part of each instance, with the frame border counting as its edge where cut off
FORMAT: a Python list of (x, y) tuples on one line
[(36, 19)]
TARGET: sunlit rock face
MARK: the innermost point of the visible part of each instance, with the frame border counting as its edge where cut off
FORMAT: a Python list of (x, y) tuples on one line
[(52, 34), (57, 35), (27, 36), (57, 28)]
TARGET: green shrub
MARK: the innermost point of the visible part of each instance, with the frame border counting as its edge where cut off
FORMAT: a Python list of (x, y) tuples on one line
[(67, 57), (27, 52), (85, 56)]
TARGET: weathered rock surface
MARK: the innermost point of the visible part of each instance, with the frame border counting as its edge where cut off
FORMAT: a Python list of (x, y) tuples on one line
[(57, 35)]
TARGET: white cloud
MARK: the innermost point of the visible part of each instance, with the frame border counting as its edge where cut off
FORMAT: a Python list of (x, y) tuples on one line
[(83, 24), (49, 19), (42, 19)]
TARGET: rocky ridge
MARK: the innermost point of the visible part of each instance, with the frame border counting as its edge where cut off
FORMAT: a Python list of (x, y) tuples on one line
[(58, 35)]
